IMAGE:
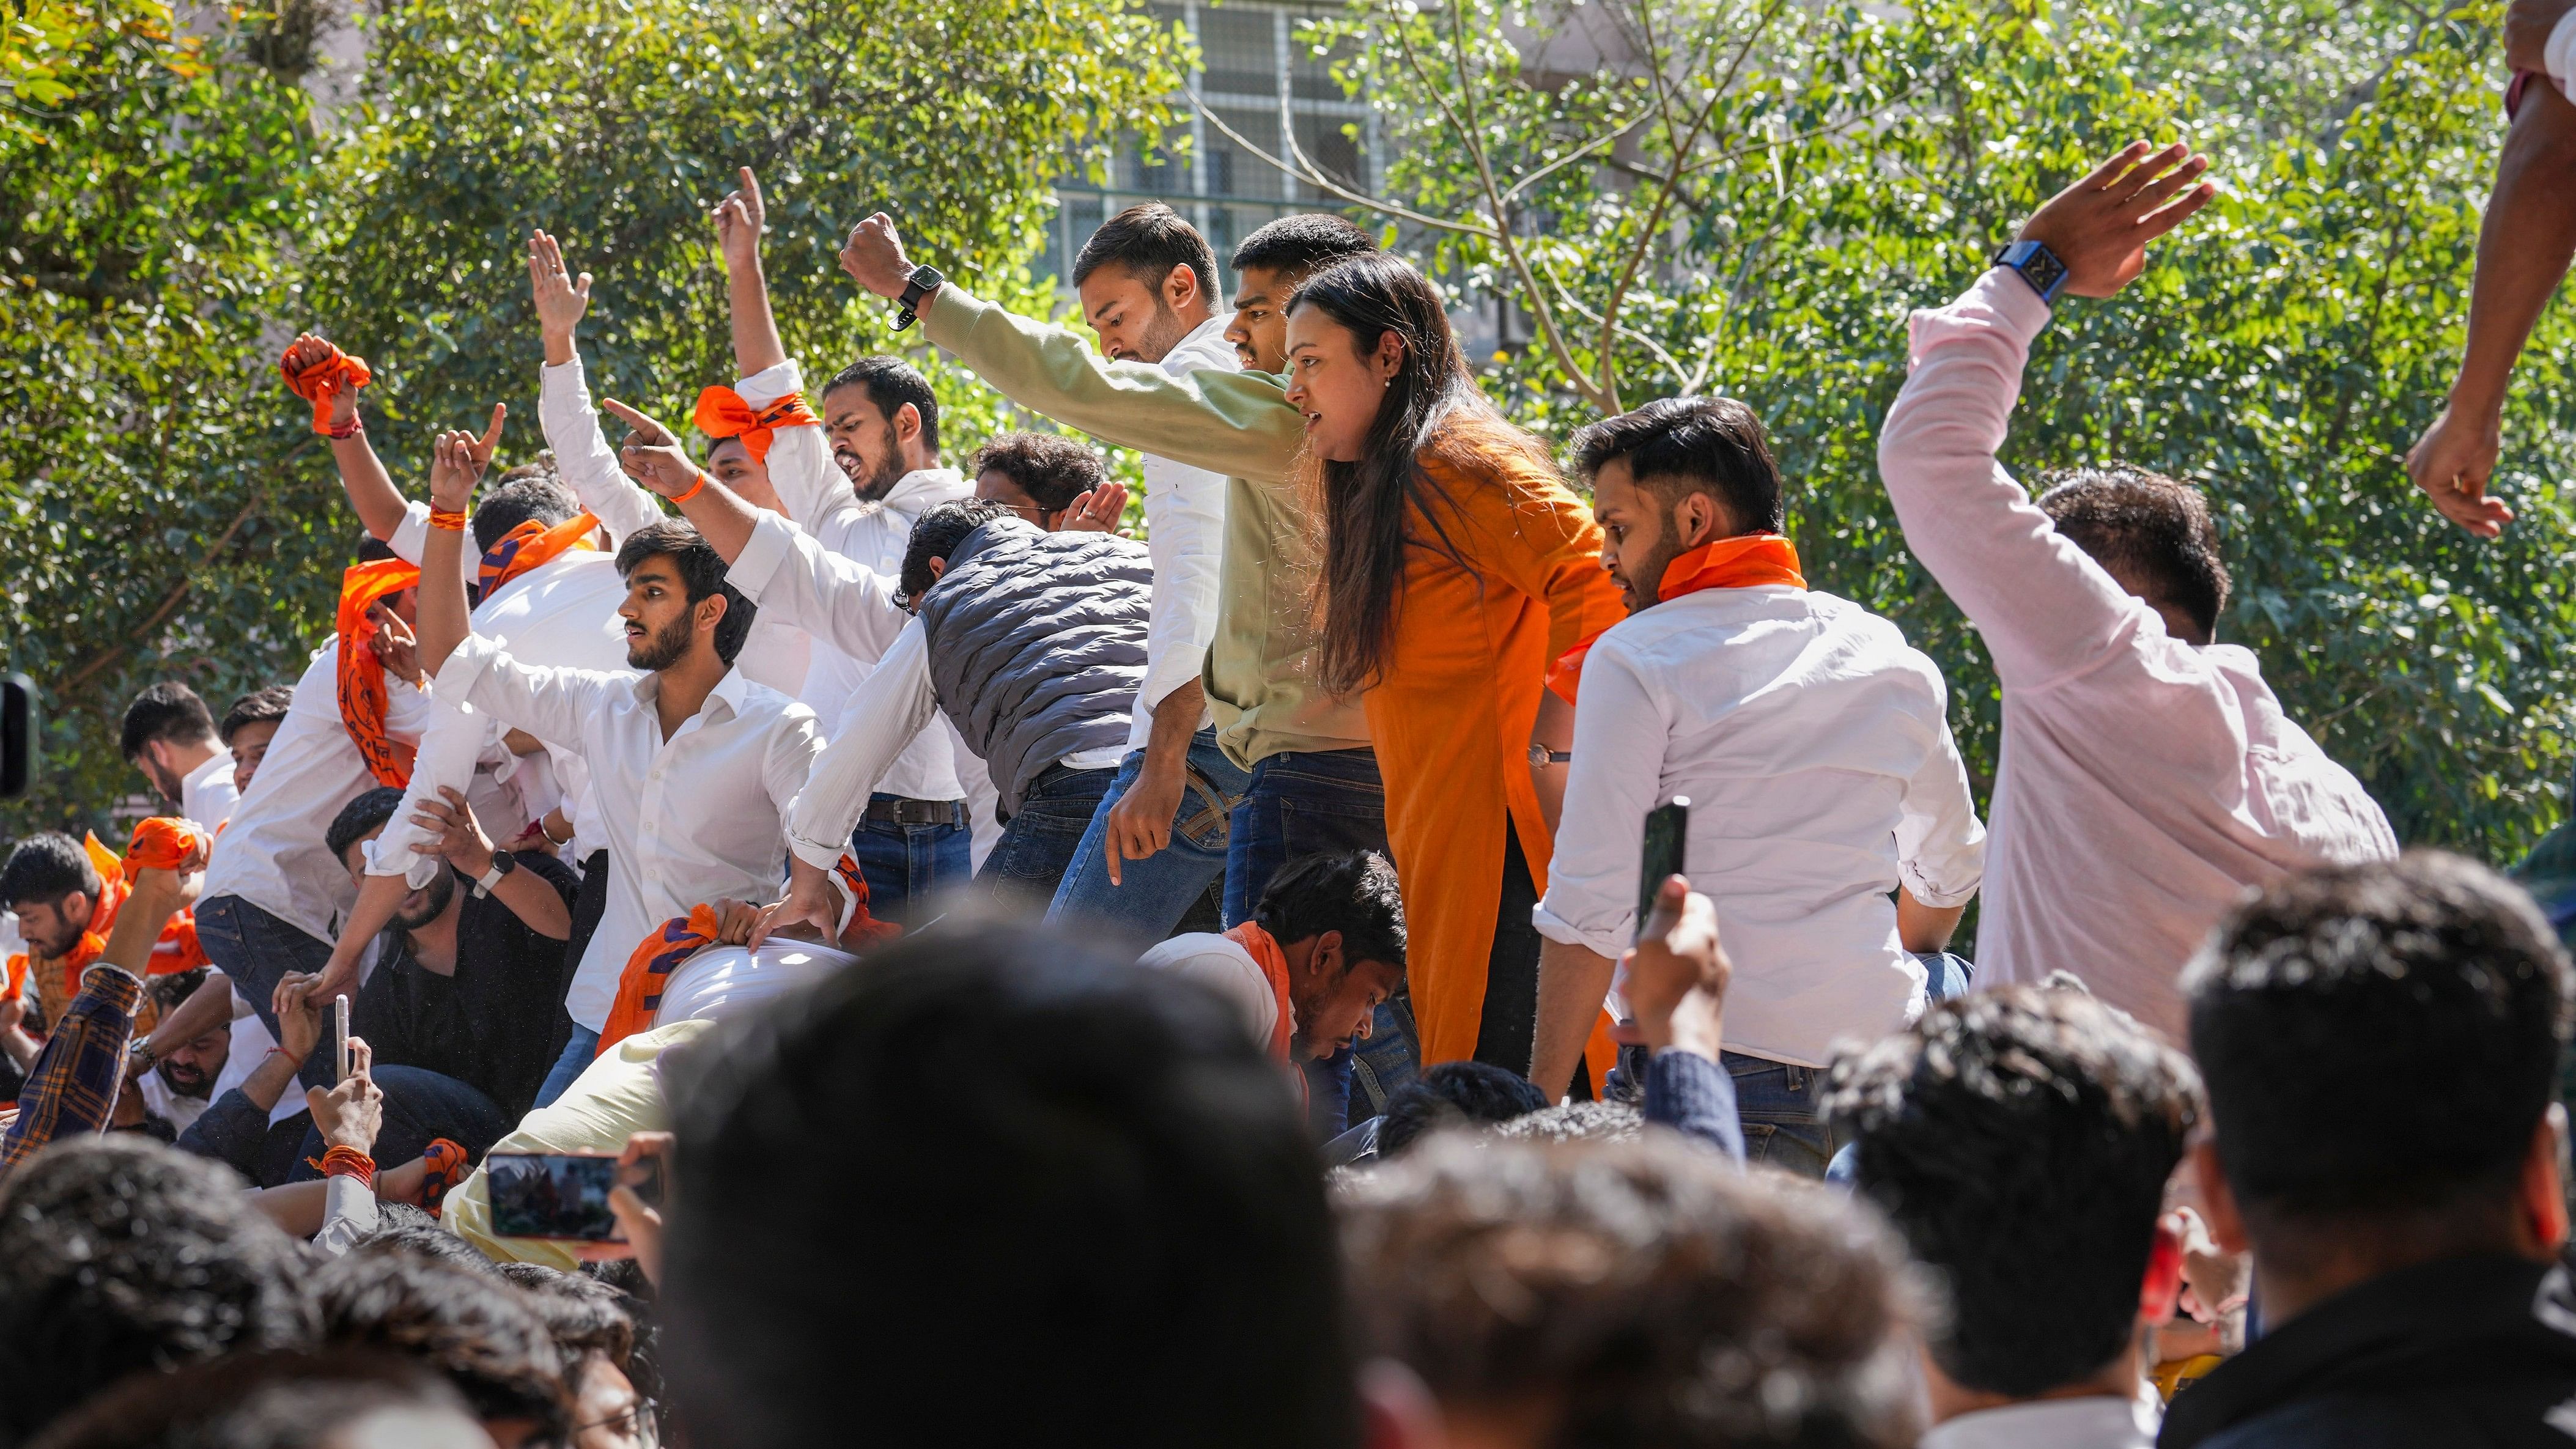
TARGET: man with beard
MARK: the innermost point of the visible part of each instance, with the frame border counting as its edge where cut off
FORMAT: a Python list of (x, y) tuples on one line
[(1830, 820), (855, 480), (182, 1083), (169, 735), (1307, 972), (467, 981), (692, 765)]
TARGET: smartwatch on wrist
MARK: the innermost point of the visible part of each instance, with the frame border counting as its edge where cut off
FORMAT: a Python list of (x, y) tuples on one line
[(1540, 757), (2037, 265), (503, 862), (922, 282)]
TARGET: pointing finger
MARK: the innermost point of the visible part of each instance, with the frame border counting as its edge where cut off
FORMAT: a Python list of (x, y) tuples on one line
[(492, 435)]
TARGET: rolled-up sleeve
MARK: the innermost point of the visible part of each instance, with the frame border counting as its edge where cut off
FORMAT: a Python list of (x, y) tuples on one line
[(1940, 843), (1620, 724), (892, 705)]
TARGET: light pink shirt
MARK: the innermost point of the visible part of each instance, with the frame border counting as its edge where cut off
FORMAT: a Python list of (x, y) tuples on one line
[(2145, 783)]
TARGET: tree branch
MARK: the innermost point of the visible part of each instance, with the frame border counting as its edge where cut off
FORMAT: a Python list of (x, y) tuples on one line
[(169, 601)]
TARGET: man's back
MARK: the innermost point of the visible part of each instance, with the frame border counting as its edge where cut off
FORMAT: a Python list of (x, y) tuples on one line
[(1811, 742)]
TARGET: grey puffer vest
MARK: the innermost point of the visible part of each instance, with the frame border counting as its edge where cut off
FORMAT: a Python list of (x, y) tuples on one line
[(1037, 645)]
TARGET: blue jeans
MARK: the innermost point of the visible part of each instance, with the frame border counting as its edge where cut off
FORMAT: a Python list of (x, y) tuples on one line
[(905, 865), (1154, 893), (256, 950), (1297, 805), (1039, 840), (577, 1055)]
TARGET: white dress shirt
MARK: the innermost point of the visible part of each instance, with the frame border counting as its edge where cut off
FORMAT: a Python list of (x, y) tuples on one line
[(1820, 770), (560, 614), (1226, 968), (2094, 1422), (2145, 782), (688, 820), (775, 654), (272, 854), (1185, 535), (895, 704), (725, 981), (206, 793)]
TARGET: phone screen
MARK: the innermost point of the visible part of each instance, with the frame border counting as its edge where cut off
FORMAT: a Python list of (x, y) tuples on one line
[(563, 1194), (1667, 827)]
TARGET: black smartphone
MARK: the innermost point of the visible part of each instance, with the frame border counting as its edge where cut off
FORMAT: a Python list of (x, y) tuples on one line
[(563, 1194), (1667, 827)]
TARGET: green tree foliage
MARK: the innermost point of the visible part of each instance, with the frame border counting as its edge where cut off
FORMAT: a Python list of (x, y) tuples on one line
[(170, 213), (2283, 351)]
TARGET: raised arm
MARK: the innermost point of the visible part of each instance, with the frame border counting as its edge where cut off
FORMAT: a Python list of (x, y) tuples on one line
[(319, 373), (1235, 423), (2524, 247), (457, 461), (739, 219), (2041, 604), (653, 458), (582, 453)]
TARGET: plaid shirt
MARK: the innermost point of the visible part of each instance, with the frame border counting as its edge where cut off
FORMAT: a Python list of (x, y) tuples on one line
[(72, 1088)]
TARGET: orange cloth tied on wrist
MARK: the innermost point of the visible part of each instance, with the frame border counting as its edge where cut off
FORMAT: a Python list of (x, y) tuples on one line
[(320, 383), (1274, 965), (162, 843), (363, 696), (1744, 562), (723, 414), (528, 546)]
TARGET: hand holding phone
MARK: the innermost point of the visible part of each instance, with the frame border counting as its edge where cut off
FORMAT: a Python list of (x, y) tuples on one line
[(565, 1194)]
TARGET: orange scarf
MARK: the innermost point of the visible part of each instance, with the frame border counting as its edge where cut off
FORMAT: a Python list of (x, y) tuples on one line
[(649, 967), (321, 382), (363, 697), (161, 843), (528, 546), (1274, 965), (1745, 561), (723, 414)]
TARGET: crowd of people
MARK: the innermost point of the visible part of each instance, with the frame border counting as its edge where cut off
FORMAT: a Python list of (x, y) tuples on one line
[(1040, 985)]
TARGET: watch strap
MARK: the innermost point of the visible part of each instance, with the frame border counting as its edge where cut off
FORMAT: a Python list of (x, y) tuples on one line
[(503, 862), (923, 281), (2034, 263)]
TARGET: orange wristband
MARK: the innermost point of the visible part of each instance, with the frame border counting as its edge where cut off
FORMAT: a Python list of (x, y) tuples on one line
[(443, 518), (694, 488)]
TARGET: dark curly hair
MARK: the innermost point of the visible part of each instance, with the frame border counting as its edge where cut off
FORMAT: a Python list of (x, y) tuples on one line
[(475, 1328), (2152, 532), (1049, 467)]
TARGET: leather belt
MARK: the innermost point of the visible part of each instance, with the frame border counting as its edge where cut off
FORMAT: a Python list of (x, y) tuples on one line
[(918, 812)]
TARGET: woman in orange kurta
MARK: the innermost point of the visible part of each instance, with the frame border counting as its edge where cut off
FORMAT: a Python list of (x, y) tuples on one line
[(1457, 566)]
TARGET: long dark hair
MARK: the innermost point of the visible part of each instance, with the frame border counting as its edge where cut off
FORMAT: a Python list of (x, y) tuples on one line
[(1365, 503)]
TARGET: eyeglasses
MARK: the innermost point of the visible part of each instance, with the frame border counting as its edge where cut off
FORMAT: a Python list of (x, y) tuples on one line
[(636, 1421)]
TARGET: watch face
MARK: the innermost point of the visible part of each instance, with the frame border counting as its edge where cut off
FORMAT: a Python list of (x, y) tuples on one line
[(2044, 270)]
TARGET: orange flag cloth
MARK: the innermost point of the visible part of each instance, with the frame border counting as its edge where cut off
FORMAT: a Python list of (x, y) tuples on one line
[(723, 414), (321, 382), (1274, 965), (1743, 562), (363, 698), (528, 546)]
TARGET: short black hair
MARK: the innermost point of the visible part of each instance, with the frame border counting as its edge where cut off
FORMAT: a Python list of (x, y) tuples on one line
[(374, 550), (529, 491), (1292, 246), (167, 711), (1120, 1200), (702, 573), (118, 1255), (891, 382), (44, 868), (2378, 1039), (477, 1329), (277, 1399), (2020, 1139), (1049, 467), (370, 809), (1351, 891), (585, 1315), (268, 702), (1678, 445), (1455, 1094), (1147, 241), (936, 534), (2153, 528), (404, 1228)]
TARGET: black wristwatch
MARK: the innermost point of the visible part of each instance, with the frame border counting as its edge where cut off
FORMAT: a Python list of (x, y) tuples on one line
[(2037, 265), (503, 862), (922, 282), (1540, 756)]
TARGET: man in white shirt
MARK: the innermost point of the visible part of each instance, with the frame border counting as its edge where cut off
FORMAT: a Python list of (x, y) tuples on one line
[(1830, 818), (1149, 288), (2020, 1141), (169, 735), (692, 765), (248, 726), (2148, 776), (1307, 972)]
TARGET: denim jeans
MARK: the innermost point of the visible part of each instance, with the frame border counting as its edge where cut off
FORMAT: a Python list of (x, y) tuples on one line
[(1296, 805), (256, 950), (1038, 842), (1778, 1101), (1154, 893), (905, 865), (576, 1058)]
